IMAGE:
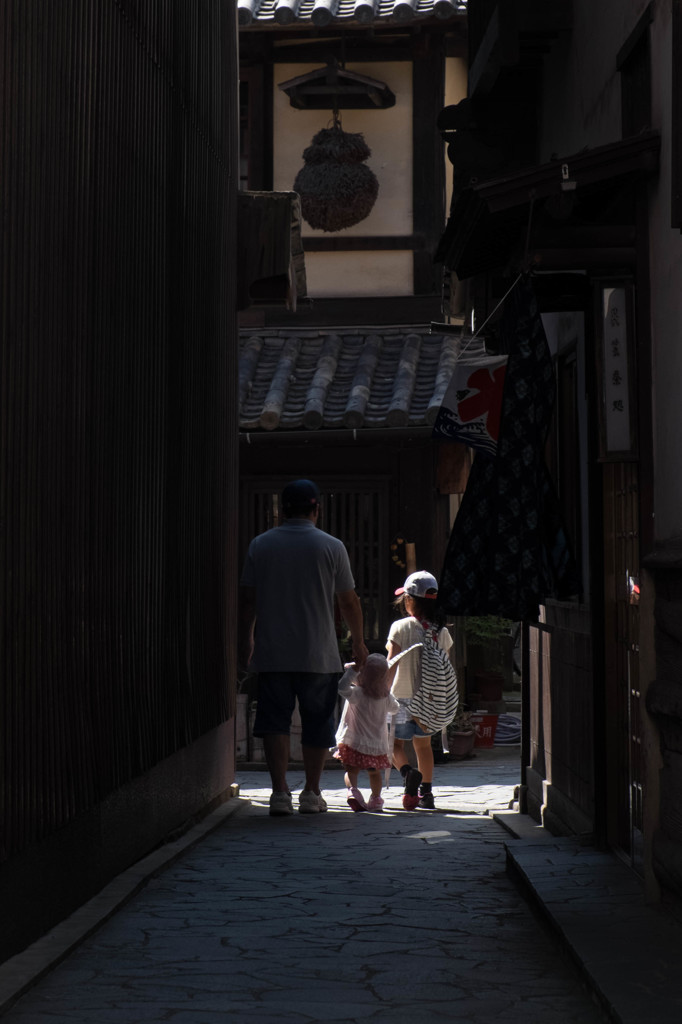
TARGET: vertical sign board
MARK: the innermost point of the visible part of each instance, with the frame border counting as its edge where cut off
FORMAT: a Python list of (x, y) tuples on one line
[(617, 403)]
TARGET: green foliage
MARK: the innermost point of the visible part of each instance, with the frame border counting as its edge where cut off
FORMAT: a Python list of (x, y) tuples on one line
[(462, 722), (484, 629)]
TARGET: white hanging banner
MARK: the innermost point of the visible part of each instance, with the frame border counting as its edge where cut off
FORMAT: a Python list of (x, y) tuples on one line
[(472, 405)]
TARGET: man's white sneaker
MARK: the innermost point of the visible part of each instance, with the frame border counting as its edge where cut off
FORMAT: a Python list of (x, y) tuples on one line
[(311, 803), (281, 804)]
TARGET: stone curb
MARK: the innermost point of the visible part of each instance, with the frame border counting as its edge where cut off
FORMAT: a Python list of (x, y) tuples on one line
[(627, 951), (21, 972)]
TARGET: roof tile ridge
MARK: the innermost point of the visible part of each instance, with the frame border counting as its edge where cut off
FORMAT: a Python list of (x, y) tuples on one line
[(361, 388), (273, 405), (313, 413), (248, 364), (449, 354), (398, 414)]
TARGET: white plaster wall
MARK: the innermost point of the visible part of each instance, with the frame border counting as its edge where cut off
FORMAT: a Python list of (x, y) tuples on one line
[(359, 274), (455, 90), (388, 133)]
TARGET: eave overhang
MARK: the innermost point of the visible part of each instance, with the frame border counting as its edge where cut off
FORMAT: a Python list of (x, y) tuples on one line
[(335, 88), (488, 219)]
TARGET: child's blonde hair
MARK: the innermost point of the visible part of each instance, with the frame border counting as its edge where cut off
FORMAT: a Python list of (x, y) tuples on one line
[(373, 677)]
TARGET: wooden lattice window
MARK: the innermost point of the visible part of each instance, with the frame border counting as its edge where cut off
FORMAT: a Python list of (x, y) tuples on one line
[(356, 513)]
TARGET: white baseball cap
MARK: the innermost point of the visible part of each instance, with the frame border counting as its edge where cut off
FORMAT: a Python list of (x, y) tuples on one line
[(418, 585)]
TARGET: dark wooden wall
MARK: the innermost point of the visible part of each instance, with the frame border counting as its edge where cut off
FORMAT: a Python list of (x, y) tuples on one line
[(560, 713), (118, 453)]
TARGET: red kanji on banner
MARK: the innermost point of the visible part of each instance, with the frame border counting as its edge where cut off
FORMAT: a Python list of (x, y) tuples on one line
[(471, 410), (488, 386)]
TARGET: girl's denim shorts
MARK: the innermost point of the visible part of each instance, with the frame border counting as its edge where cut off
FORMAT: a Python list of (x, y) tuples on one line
[(407, 730)]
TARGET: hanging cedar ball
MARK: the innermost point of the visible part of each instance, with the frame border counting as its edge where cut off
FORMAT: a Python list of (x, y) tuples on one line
[(337, 190)]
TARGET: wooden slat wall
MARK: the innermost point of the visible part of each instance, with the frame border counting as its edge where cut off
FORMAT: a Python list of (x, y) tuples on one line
[(676, 118), (118, 446), (560, 712), (621, 638)]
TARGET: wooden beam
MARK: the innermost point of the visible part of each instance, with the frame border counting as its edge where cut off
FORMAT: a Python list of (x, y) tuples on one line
[(313, 51), (330, 312), (593, 166), (592, 258), (570, 236), (363, 243)]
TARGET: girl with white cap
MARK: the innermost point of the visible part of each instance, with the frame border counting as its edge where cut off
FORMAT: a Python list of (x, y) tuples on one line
[(417, 600)]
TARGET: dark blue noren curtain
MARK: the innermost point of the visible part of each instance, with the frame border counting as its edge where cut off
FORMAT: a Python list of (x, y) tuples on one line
[(508, 550)]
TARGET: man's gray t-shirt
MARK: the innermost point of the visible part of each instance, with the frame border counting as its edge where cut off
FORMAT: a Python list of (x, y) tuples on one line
[(296, 570)]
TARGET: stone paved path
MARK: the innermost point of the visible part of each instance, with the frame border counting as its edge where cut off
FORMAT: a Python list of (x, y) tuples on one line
[(396, 917)]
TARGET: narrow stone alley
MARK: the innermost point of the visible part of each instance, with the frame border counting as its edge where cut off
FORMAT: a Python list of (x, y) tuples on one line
[(397, 917)]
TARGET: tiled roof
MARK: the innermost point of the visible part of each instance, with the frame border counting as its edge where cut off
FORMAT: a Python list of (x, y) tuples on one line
[(359, 378), (319, 13)]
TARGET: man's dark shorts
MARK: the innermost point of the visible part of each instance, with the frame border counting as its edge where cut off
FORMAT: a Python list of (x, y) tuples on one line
[(317, 700)]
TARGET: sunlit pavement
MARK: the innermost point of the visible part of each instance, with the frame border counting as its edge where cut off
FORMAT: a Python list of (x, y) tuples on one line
[(477, 785)]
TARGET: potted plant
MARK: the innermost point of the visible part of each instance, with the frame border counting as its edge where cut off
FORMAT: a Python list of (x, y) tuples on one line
[(461, 735)]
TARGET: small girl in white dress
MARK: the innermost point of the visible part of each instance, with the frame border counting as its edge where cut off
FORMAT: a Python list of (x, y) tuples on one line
[(362, 736)]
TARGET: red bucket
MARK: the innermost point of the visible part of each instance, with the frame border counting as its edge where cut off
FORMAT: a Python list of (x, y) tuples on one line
[(485, 727)]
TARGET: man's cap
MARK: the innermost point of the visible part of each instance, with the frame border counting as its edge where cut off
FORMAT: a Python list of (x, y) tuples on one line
[(300, 496), (418, 584)]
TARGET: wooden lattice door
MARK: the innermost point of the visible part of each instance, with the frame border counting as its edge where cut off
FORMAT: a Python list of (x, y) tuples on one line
[(356, 512)]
